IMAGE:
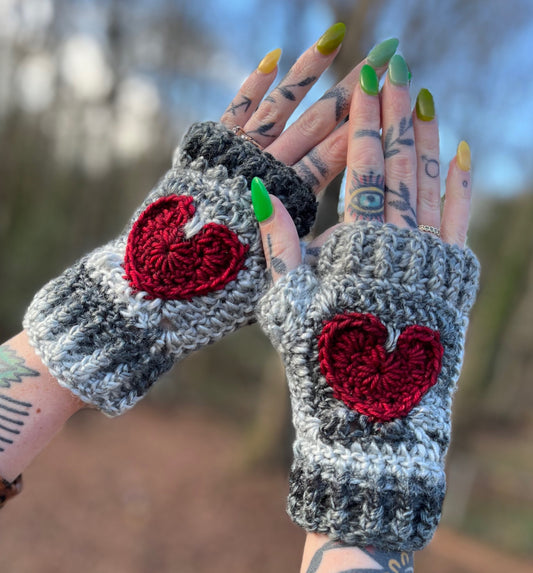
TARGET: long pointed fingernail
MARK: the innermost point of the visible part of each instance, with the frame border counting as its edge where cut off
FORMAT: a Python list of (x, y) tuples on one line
[(464, 160), (398, 71), (368, 80), (269, 62), (261, 202), (381, 53), (425, 106), (331, 39)]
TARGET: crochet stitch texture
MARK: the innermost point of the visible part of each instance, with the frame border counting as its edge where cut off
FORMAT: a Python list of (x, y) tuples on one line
[(187, 270), (372, 339)]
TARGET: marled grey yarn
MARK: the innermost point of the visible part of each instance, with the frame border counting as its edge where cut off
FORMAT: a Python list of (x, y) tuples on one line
[(107, 343), (366, 483)]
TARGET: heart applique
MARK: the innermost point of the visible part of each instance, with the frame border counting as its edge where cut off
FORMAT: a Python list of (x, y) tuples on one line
[(366, 377), (164, 263)]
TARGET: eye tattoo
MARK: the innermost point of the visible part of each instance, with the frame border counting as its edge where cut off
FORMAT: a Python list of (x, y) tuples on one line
[(367, 197)]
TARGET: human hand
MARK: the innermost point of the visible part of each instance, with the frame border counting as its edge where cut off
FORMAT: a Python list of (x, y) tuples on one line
[(189, 268), (371, 326)]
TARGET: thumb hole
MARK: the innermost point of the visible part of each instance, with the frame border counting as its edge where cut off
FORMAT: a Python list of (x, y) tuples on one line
[(281, 243)]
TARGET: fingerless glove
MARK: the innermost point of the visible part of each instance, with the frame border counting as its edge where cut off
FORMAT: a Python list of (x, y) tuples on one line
[(187, 270), (372, 339)]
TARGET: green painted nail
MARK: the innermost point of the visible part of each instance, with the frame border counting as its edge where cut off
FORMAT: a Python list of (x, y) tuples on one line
[(331, 39), (261, 202), (398, 71), (425, 106), (380, 54), (369, 80)]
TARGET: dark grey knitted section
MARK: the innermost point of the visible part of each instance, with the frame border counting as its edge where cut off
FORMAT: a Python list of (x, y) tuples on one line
[(219, 146), (92, 340), (357, 480)]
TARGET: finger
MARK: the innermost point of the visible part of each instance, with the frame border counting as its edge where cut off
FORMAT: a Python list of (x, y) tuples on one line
[(398, 146), (426, 130), (364, 192), (456, 212), (270, 118), (325, 161), (322, 117), (281, 244), (252, 91)]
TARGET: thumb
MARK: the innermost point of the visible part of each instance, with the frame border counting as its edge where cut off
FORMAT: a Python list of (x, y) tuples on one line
[(278, 232)]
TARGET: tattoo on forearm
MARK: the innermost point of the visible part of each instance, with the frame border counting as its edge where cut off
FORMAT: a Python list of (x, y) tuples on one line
[(367, 197), (401, 562), (287, 91), (246, 102), (342, 100), (392, 146), (431, 167), (12, 411), (403, 204)]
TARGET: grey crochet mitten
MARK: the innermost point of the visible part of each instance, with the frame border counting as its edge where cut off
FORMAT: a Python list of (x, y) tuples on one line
[(186, 271), (372, 340)]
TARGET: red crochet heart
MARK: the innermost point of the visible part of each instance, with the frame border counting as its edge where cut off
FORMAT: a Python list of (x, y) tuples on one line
[(161, 261), (379, 384)]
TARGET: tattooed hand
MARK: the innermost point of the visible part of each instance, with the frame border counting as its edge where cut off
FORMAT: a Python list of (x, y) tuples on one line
[(379, 274), (316, 143)]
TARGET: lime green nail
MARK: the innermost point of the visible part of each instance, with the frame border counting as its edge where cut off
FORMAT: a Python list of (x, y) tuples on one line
[(398, 71), (331, 39), (425, 106), (380, 54), (261, 202), (368, 80)]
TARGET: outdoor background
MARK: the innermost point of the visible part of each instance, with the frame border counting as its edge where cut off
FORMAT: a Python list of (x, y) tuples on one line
[(94, 95)]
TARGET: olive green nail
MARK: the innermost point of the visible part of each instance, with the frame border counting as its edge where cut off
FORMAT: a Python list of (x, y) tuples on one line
[(425, 106), (368, 80), (261, 202), (398, 71), (331, 39), (381, 53)]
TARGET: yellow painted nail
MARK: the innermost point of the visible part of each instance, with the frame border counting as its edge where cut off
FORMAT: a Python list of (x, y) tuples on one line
[(331, 39), (463, 156), (269, 62)]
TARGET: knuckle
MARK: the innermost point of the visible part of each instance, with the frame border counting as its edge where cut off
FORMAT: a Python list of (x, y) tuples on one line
[(368, 158), (401, 167), (429, 201), (268, 112), (335, 148), (312, 123)]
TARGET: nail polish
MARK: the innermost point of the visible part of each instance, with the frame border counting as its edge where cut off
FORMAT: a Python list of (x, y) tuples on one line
[(463, 156), (368, 80), (269, 62), (425, 106), (398, 71), (331, 39), (261, 202), (381, 53)]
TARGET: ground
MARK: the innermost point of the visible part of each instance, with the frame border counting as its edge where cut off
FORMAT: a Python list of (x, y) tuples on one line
[(166, 491)]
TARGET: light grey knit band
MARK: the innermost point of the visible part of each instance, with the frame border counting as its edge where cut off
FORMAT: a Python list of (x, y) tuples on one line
[(372, 339), (187, 270)]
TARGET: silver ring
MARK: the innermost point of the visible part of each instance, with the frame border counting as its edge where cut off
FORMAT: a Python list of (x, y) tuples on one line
[(429, 229)]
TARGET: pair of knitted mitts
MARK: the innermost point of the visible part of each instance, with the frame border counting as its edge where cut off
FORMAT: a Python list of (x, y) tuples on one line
[(372, 335)]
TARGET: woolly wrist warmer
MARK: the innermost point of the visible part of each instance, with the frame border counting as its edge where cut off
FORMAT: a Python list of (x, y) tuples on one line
[(372, 340), (188, 269)]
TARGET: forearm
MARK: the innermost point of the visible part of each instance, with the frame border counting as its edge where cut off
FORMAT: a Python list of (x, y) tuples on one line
[(322, 555), (33, 406)]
